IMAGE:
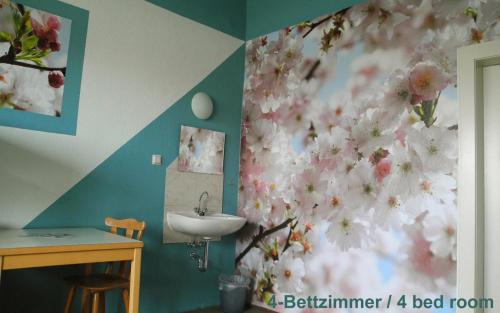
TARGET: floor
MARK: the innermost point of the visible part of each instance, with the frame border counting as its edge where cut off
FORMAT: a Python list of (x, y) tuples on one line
[(253, 309)]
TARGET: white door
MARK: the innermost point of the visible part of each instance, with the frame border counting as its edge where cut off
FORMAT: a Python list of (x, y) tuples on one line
[(491, 100), (478, 274)]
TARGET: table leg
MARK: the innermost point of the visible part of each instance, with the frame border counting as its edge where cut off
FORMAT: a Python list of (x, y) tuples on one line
[(135, 281), (87, 269), (1, 267)]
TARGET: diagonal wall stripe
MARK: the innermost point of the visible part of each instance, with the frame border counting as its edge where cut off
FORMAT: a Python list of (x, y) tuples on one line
[(228, 16)]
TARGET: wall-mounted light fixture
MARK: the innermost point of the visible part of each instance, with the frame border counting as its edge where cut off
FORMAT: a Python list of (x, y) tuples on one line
[(202, 105)]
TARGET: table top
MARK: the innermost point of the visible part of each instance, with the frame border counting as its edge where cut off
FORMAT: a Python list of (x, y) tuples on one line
[(25, 241)]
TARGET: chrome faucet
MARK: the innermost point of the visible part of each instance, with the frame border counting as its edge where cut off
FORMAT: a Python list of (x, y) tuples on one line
[(199, 210)]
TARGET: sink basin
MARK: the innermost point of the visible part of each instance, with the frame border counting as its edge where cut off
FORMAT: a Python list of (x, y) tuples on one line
[(207, 226)]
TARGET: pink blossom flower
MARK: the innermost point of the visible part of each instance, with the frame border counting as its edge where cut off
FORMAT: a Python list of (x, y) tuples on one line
[(426, 79), (260, 186), (56, 79), (46, 28), (401, 136), (383, 169), (249, 168), (424, 261), (53, 22)]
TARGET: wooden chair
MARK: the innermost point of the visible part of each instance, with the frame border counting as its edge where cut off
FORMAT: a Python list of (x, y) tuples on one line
[(95, 286)]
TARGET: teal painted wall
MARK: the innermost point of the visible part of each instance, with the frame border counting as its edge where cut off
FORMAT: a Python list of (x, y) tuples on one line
[(127, 185), (248, 19), (264, 16), (228, 16)]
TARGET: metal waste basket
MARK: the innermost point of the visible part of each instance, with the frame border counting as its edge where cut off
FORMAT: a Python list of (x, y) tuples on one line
[(233, 291)]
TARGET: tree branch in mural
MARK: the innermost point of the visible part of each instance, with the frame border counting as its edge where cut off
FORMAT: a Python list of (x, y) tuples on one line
[(257, 239), (11, 59), (31, 49), (335, 31), (312, 26), (290, 234), (350, 127)]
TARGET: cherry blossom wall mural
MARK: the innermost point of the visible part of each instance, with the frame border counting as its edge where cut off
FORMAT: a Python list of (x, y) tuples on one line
[(33, 58), (349, 150)]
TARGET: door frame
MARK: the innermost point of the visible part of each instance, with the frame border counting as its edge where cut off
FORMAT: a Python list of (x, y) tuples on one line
[(470, 241)]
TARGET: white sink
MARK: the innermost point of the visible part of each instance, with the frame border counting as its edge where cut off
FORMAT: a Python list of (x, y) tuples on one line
[(207, 226)]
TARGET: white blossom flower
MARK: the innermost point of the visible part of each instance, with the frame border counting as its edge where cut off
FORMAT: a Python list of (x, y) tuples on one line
[(335, 199), (369, 135), (331, 145), (256, 209), (289, 273), (405, 178), (310, 188), (254, 54), (436, 147), (252, 265), (346, 231), (440, 228), (397, 91), (362, 190), (388, 211), (29, 89), (440, 187), (260, 135)]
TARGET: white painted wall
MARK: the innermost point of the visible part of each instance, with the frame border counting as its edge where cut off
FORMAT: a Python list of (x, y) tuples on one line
[(139, 60)]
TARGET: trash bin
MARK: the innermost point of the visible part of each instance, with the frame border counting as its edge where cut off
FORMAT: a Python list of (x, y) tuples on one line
[(233, 291)]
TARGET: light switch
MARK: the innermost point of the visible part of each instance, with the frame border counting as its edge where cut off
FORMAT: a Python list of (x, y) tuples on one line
[(156, 159)]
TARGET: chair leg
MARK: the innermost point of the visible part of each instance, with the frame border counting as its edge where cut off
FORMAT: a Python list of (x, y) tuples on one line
[(103, 303), (125, 299), (85, 301), (69, 300), (95, 303)]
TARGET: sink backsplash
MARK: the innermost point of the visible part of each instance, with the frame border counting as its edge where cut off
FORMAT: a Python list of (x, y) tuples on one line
[(182, 192)]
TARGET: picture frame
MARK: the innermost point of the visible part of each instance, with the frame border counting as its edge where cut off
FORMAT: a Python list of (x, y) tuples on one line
[(66, 122)]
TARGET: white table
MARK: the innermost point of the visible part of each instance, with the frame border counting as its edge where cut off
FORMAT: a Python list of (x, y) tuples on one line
[(28, 248)]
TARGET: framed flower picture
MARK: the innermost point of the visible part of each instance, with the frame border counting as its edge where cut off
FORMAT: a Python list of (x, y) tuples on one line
[(41, 59), (201, 151)]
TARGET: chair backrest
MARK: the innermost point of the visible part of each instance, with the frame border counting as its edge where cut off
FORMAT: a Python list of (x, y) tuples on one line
[(129, 227)]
